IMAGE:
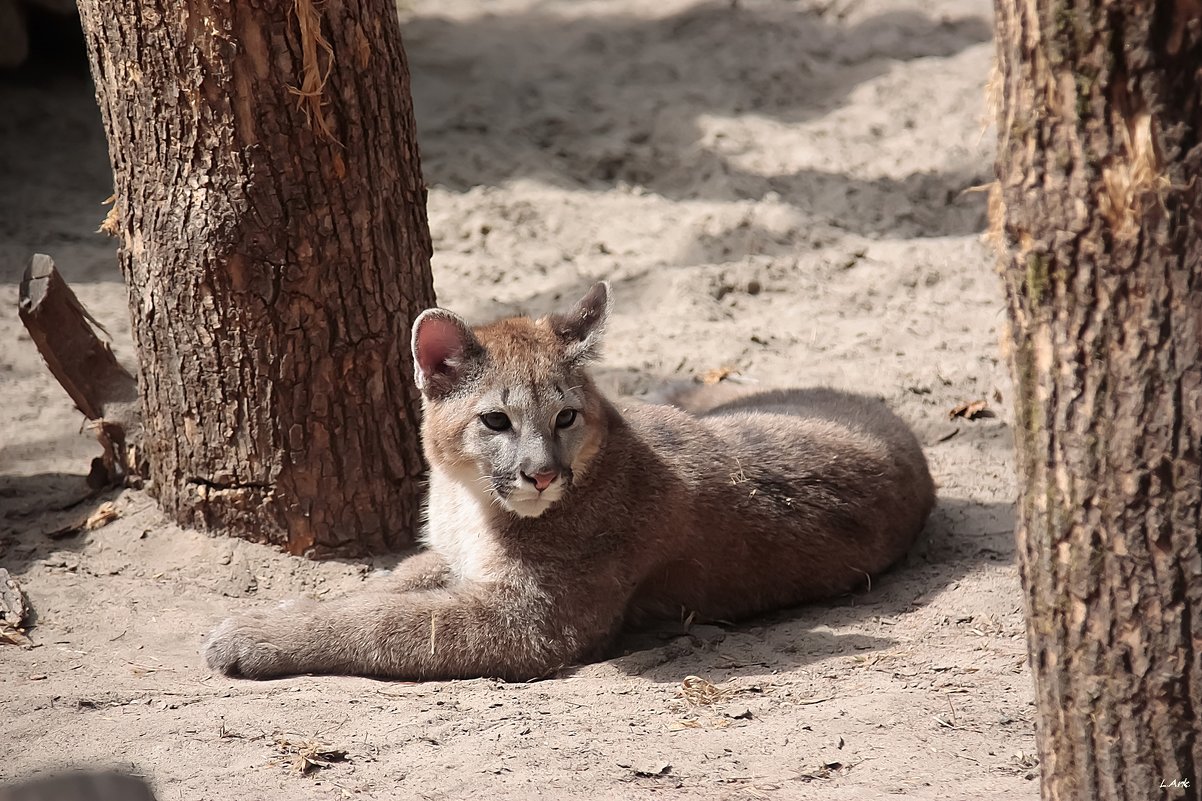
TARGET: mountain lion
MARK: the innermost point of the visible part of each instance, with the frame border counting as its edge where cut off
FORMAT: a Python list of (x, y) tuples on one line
[(556, 516)]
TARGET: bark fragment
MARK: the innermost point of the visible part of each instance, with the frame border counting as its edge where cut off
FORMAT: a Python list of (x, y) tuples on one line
[(65, 333)]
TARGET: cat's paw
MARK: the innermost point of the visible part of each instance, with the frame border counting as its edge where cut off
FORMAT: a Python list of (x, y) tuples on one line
[(246, 646)]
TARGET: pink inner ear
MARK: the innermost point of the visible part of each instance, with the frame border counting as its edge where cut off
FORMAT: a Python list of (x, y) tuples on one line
[(439, 341)]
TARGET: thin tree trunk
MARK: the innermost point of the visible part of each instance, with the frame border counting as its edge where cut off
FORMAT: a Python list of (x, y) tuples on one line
[(1099, 209), (271, 214)]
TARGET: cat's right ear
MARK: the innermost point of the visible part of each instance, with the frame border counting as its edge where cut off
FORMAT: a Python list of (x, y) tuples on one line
[(444, 352), (580, 329)]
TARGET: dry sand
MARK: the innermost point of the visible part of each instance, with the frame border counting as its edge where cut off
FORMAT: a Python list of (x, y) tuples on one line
[(775, 186)]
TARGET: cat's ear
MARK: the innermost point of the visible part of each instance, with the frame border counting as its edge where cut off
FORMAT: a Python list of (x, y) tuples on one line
[(580, 329), (445, 352)]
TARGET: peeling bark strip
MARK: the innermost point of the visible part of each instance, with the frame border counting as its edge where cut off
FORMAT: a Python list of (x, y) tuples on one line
[(65, 334), (1100, 214), (273, 271)]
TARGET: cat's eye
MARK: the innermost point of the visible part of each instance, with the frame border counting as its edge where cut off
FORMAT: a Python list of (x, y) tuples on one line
[(497, 421), (565, 418)]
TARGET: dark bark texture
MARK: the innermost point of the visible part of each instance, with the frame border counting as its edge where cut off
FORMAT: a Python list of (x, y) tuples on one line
[(273, 235), (1099, 210)]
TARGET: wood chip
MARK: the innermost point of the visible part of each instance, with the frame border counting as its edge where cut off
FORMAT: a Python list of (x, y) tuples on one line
[(9, 636), (104, 514), (13, 611), (717, 374)]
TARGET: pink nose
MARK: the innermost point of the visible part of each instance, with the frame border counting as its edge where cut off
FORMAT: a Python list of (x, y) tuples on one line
[(543, 480)]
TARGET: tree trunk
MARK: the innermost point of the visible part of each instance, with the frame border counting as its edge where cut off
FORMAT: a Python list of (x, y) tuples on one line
[(1099, 209), (271, 214)]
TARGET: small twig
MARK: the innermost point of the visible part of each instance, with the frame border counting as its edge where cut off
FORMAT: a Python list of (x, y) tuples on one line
[(812, 701)]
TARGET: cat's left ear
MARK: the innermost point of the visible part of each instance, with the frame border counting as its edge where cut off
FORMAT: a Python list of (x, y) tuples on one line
[(580, 329)]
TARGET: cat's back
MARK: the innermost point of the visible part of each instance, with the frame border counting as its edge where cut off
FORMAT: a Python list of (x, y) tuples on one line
[(822, 436), (858, 422), (816, 424), (796, 494)]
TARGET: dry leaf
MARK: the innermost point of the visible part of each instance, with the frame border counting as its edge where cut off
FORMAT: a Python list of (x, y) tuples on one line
[(971, 410), (686, 723)]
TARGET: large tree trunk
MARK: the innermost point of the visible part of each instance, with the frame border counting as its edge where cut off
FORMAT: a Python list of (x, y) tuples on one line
[(271, 214), (1100, 214)]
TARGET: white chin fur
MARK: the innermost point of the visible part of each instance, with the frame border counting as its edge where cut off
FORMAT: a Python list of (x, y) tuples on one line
[(530, 507)]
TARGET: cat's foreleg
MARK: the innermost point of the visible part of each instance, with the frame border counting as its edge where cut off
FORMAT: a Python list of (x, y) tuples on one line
[(494, 630)]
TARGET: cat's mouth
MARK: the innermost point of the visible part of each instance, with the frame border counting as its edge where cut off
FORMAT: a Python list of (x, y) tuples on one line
[(526, 502), (523, 500)]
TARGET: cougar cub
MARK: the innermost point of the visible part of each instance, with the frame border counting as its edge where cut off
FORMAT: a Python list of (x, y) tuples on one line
[(555, 516)]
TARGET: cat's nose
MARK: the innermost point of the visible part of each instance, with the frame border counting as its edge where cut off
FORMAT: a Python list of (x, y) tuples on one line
[(542, 480)]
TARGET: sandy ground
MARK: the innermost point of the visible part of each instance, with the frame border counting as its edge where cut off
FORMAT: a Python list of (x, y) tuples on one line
[(775, 186)]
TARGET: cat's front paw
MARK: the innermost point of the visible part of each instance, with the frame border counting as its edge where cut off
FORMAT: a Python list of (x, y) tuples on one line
[(246, 646)]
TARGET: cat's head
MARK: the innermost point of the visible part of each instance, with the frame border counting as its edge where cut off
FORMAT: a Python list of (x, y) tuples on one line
[(510, 411)]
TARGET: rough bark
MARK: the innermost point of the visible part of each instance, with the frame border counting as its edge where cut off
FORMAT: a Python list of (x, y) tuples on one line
[(1099, 211), (271, 214)]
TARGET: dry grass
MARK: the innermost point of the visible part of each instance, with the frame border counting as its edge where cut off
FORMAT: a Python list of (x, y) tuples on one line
[(993, 98), (1130, 183), (696, 691), (306, 754), (697, 694), (995, 234)]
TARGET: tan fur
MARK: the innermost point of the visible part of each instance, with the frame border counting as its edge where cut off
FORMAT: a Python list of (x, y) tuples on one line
[(737, 503)]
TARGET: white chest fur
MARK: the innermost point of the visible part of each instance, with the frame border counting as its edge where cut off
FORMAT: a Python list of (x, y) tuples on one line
[(457, 527)]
